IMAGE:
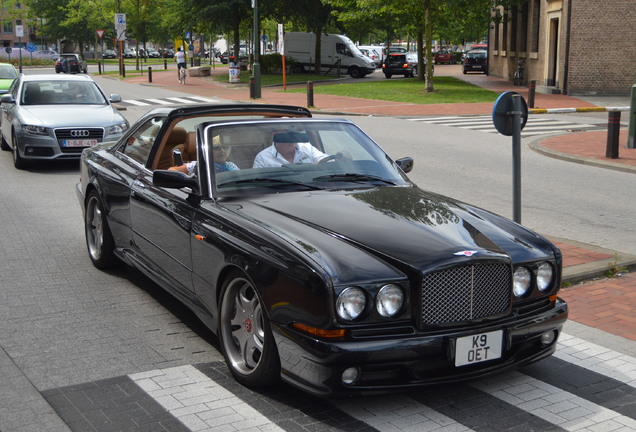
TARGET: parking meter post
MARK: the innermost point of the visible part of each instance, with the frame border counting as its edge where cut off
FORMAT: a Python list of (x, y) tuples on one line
[(631, 132), (149, 74), (531, 92), (310, 94), (516, 157), (613, 133)]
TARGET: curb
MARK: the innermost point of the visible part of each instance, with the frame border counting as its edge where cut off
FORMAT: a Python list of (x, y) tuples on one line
[(571, 110), (596, 269)]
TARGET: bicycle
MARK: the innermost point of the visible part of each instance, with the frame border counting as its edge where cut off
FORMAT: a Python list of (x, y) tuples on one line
[(518, 77), (182, 75)]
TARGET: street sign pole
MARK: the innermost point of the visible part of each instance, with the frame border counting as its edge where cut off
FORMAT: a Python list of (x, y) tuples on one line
[(19, 31), (516, 157), (509, 116), (257, 53)]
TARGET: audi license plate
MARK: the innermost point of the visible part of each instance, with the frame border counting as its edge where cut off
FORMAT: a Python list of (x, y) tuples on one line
[(79, 143), (478, 348)]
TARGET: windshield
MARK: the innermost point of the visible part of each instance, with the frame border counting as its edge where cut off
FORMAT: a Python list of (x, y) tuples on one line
[(61, 93), (8, 72), (289, 155)]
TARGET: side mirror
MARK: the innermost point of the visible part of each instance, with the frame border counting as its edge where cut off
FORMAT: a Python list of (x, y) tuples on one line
[(406, 164), (115, 98), (7, 98), (174, 180)]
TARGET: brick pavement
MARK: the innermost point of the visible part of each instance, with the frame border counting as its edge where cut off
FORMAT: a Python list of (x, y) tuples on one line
[(592, 303)]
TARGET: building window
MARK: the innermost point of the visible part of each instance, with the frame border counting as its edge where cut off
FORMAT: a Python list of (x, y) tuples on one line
[(8, 27), (536, 20)]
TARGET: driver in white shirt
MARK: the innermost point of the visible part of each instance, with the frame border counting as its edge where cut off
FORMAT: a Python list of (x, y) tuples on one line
[(288, 148)]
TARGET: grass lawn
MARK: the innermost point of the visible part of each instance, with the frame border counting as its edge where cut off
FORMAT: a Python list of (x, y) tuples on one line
[(410, 90)]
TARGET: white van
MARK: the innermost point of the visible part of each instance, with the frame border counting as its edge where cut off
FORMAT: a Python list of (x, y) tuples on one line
[(338, 54), (374, 52)]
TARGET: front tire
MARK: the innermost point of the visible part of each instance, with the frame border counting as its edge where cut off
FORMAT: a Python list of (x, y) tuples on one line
[(99, 239), (245, 334), (18, 161)]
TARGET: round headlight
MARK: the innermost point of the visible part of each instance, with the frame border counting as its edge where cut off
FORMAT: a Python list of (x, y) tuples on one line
[(390, 300), (350, 303), (521, 281), (544, 277)]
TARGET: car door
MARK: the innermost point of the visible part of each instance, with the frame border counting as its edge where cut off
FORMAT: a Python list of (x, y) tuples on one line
[(161, 219)]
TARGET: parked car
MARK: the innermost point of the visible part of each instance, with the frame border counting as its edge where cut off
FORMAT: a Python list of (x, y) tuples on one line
[(475, 61), (46, 117), (443, 56), (400, 64), (374, 53), (48, 54), (392, 288), (71, 63), (109, 54), (152, 53), (130, 53), (8, 74), (224, 57), (167, 53)]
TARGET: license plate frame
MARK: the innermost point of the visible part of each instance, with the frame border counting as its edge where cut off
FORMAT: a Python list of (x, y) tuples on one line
[(478, 348), (79, 143)]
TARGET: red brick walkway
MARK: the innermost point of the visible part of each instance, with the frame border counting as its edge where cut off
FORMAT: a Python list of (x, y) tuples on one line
[(606, 304)]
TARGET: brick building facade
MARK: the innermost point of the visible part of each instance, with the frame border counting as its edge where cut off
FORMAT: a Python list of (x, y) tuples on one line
[(576, 47)]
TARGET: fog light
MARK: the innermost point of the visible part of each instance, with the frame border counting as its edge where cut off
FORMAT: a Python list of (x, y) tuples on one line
[(548, 338), (350, 375)]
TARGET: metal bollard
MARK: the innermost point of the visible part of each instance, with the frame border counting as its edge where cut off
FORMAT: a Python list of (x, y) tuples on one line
[(149, 74), (165, 64), (252, 87), (531, 92), (123, 70), (310, 93), (99, 67), (613, 133)]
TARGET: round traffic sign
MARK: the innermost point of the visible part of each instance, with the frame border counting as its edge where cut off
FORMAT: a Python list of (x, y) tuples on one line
[(502, 114), (8, 50), (30, 47)]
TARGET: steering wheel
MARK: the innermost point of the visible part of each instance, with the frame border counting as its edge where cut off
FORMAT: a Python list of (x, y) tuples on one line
[(329, 158)]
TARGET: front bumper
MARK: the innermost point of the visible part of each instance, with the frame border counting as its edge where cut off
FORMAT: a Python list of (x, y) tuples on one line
[(392, 364), (46, 147)]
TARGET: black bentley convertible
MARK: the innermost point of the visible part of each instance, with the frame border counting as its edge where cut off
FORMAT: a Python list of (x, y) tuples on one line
[(334, 272)]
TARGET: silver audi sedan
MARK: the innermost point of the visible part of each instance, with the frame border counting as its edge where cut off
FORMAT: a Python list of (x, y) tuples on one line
[(47, 117)]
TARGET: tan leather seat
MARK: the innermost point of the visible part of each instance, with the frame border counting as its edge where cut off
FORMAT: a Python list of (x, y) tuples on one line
[(188, 148), (177, 136)]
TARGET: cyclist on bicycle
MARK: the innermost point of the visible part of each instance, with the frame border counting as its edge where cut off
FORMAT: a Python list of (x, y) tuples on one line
[(180, 58)]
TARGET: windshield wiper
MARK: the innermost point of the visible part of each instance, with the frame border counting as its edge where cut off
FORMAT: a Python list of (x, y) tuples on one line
[(271, 180), (353, 177)]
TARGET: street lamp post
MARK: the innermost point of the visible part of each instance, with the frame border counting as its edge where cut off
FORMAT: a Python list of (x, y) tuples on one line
[(256, 67)]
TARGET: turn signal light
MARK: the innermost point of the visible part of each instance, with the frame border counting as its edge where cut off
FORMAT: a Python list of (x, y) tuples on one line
[(319, 332)]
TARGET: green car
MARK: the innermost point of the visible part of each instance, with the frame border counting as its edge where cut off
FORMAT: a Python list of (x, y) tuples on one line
[(7, 75)]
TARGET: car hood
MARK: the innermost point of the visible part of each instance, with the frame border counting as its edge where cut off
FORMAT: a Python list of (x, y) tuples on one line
[(396, 224), (6, 83), (70, 115)]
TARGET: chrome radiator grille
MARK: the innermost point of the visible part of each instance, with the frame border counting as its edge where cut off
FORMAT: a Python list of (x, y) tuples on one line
[(465, 293)]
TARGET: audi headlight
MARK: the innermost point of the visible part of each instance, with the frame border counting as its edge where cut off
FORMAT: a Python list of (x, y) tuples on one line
[(351, 303), (545, 274), (118, 129), (35, 130), (522, 280), (390, 300)]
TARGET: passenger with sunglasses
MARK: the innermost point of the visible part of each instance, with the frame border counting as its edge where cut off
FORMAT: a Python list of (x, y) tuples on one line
[(221, 164)]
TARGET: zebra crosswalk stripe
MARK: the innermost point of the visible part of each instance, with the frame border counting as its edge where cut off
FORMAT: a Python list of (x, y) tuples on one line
[(534, 126)]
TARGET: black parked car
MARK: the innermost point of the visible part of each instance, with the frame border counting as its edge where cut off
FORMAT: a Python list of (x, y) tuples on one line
[(71, 63), (400, 64), (334, 273), (475, 60)]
